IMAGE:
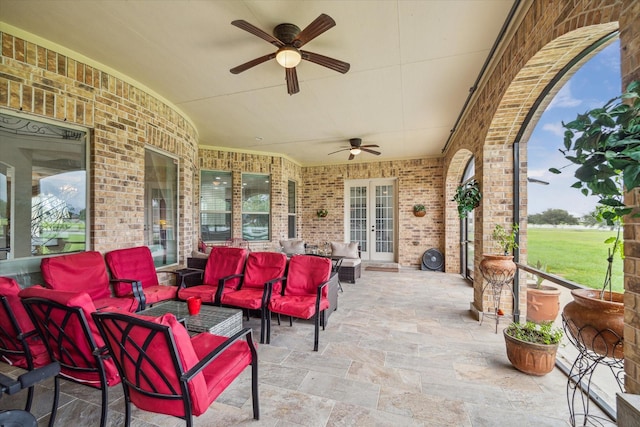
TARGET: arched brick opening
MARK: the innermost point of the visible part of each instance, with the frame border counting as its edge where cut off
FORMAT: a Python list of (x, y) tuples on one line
[(505, 127), (452, 222)]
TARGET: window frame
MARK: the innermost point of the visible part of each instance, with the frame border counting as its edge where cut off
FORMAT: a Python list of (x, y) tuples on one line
[(245, 213), (211, 211)]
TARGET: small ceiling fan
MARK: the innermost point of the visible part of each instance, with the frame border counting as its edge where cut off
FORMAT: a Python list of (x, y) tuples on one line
[(356, 148), (289, 39)]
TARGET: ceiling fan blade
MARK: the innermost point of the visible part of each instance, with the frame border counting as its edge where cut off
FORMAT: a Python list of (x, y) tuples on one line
[(252, 63), (351, 156), (370, 145), (377, 153), (321, 24), (325, 61), (244, 25), (292, 81), (344, 149)]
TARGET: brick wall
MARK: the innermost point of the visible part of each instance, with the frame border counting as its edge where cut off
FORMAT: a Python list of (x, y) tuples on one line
[(123, 119)]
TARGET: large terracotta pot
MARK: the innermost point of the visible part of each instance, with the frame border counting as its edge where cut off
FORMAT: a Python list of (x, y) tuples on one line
[(530, 358), (597, 323), (543, 304), (498, 268)]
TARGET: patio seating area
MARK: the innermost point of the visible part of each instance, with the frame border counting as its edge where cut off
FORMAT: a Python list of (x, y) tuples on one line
[(401, 350)]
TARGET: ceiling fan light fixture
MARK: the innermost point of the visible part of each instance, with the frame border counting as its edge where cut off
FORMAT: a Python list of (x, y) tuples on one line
[(288, 56), (355, 151)]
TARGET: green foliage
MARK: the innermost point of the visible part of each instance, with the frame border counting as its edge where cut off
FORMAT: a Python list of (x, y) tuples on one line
[(467, 197), (605, 144), (553, 217), (506, 239), (543, 333), (539, 279), (574, 255), (419, 208)]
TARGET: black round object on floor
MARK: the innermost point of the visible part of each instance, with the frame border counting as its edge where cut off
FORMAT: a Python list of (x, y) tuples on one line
[(433, 260)]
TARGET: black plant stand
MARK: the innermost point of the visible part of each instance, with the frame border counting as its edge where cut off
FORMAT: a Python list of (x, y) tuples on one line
[(579, 380), (496, 281)]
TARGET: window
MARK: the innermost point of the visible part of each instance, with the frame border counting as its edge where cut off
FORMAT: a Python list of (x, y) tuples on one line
[(215, 205), (291, 206), (256, 207), (43, 189), (161, 207), (467, 228)]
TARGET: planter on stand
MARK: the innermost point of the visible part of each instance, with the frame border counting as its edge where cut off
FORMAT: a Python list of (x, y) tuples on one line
[(498, 271)]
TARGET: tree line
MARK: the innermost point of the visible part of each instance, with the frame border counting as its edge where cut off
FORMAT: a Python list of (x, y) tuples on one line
[(562, 217)]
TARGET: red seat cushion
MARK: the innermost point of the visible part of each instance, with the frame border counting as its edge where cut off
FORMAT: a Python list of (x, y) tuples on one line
[(206, 292), (300, 306), (9, 289), (260, 268), (81, 354)]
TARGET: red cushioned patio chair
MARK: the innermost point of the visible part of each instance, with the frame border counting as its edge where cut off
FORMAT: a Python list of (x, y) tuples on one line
[(260, 270), (222, 272), (87, 272), (64, 322), (166, 371), (20, 344), (304, 292), (137, 264)]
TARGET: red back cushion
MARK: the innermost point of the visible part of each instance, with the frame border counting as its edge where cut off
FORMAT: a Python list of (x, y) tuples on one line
[(83, 271), (262, 267), (80, 354), (224, 261), (159, 351), (306, 273), (9, 288), (131, 263)]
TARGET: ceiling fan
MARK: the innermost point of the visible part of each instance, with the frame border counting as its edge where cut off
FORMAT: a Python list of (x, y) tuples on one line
[(356, 148), (289, 39)]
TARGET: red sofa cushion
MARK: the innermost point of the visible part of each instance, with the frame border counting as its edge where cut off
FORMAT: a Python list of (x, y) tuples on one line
[(306, 273), (260, 268), (222, 262), (81, 355), (84, 271), (9, 289), (131, 263)]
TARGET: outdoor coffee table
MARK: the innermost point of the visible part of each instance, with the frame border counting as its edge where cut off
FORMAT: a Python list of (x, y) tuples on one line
[(216, 320)]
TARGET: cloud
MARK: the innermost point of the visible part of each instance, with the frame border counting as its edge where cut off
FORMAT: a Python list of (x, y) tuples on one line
[(564, 98), (554, 128)]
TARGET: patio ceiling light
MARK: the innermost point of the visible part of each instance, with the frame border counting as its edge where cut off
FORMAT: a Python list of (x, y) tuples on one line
[(355, 151)]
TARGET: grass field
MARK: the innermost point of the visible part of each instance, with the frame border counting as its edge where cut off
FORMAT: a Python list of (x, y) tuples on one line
[(576, 255)]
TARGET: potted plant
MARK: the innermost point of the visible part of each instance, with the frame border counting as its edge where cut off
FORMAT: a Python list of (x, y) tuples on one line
[(499, 269), (322, 213), (605, 145), (419, 210), (531, 347), (543, 301), (468, 197)]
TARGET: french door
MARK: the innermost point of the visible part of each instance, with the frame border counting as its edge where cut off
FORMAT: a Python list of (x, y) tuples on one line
[(370, 217)]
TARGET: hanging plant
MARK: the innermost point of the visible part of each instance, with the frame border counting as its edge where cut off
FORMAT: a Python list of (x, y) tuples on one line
[(419, 210), (322, 213), (467, 197)]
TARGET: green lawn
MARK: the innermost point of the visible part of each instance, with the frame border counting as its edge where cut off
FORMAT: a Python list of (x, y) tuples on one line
[(576, 255)]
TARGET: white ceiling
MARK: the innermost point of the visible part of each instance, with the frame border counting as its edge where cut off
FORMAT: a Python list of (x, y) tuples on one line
[(412, 65)]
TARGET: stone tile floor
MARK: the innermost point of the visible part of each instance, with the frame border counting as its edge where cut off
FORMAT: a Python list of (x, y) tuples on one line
[(401, 350)]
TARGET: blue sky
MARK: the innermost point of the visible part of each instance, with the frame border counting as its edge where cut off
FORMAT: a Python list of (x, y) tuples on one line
[(591, 86)]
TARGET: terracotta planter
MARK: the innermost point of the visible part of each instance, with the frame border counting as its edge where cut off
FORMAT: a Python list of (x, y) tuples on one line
[(543, 304), (498, 268), (530, 358), (419, 213), (597, 323)]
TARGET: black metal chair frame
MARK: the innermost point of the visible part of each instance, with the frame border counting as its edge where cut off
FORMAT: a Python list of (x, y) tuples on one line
[(11, 340), (318, 319), (19, 417), (39, 310), (106, 321)]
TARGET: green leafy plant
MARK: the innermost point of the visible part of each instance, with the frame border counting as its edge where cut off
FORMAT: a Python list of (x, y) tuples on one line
[(419, 208), (539, 279), (543, 333), (322, 213), (605, 144), (467, 197), (506, 240)]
